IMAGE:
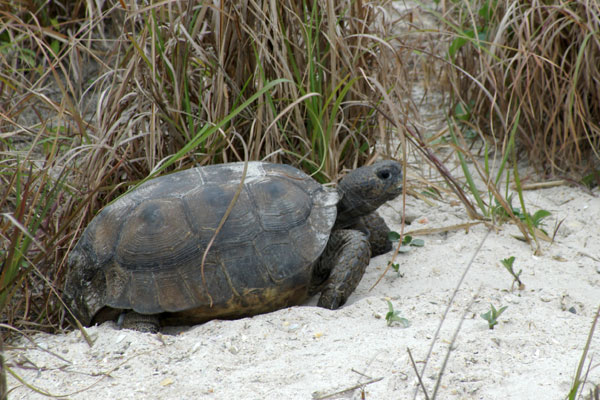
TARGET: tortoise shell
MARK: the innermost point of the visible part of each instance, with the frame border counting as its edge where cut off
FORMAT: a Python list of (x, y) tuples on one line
[(144, 251)]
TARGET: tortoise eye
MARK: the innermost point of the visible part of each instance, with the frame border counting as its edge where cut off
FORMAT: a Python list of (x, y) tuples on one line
[(385, 174)]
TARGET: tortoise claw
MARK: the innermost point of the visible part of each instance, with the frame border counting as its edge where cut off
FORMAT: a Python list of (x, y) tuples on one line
[(331, 299)]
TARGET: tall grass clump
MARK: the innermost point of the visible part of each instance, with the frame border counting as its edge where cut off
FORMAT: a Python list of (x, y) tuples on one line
[(187, 66), (524, 80), (540, 59), (41, 113)]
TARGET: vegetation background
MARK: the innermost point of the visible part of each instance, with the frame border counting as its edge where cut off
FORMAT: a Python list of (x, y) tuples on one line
[(94, 99)]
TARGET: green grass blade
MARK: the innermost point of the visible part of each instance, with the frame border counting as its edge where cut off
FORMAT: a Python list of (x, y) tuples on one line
[(465, 168)]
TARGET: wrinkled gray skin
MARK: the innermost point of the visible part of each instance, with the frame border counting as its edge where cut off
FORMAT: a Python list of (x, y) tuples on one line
[(286, 238)]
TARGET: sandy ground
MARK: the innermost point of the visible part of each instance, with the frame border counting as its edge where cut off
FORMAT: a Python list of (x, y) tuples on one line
[(306, 352)]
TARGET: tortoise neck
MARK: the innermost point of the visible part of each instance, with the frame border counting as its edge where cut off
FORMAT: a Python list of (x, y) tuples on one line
[(350, 208)]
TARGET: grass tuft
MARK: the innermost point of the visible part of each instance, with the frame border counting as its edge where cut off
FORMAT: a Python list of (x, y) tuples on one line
[(536, 58)]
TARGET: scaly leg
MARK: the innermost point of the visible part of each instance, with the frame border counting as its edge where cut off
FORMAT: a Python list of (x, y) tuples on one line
[(346, 257)]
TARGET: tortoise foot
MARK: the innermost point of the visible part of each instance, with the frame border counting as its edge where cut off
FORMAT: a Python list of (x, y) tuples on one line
[(331, 300)]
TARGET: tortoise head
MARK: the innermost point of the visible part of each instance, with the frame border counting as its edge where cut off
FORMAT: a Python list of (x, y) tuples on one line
[(363, 190)]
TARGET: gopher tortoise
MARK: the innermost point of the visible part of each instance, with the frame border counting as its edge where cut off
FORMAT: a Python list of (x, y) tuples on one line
[(142, 258)]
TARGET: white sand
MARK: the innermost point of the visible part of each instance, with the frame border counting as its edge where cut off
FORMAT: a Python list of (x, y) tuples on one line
[(294, 353)]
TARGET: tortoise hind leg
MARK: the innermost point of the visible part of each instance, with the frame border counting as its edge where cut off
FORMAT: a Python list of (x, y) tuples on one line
[(139, 322), (346, 257)]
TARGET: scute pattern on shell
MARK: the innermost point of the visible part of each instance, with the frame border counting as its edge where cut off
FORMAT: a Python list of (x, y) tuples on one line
[(144, 251)]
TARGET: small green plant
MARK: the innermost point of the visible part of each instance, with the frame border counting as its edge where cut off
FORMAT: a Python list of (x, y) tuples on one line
[(396, 268), (508, 264), (407, 242), (492, 315), (393, 316), (501, 214), (503, 210), (536, 219), (592, 179)]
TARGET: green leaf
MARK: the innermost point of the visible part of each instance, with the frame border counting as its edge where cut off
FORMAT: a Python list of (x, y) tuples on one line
[(55, 24), (417, 243), (459, 42), (483, 35), (492, 315), (463, 163), (390, 307), (55, 47), (591, 179), (393, 316), (404, 323), (500, 311), (508, 262), (5, 38), (539, 215), (393, 236), (461, 113), (404, 249)]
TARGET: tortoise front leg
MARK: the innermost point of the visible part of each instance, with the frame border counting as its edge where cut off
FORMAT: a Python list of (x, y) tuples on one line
[(346, 256), (378, 233)]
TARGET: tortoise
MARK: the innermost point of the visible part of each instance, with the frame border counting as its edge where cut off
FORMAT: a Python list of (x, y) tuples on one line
[(286, 238)]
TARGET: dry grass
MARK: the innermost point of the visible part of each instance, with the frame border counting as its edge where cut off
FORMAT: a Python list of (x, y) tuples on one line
[(94, 100), (540, 59), (186, 69)]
